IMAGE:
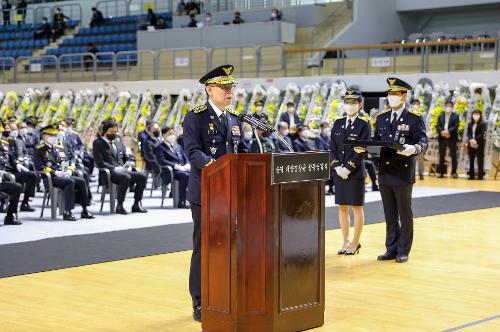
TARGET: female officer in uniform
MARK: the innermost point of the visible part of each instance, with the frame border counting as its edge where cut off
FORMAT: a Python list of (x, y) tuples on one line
[(349, 169)]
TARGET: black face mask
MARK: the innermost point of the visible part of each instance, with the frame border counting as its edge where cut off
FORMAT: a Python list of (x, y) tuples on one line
[(156, 134), (6, 133), (111, 137)]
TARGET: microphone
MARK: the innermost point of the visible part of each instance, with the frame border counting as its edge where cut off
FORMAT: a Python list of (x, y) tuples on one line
[(256, 123)]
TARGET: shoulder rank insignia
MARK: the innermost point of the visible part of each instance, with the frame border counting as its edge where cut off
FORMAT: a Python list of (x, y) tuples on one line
[(351, 163), (58, 146), (415, 113), (231, 111), (363, 118), (340, 117), (199, 109), (4, 141), (39, 146), (389, 110)]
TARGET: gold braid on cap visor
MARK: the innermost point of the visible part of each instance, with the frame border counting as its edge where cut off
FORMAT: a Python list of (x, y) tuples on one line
[(221, 80)]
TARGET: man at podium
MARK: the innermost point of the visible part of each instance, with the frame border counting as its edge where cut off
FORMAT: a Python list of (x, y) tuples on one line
[(210, 131)]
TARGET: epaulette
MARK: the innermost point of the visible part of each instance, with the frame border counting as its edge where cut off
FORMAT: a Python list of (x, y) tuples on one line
[(389, 110), (231, 111), (415, 113), (4, 141), (58, 146), (340, 118), (39, 146), (363, 118), (199, 109)]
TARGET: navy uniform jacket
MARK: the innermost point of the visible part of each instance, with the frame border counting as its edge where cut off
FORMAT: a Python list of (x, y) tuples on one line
[(49, 158), (344, 155), (204, 142), (322, 142), (396, 169), (165, 155), (453, 123), (300, 145), (280, 147)]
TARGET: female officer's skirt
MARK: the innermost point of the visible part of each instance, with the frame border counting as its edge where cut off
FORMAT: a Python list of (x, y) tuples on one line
[(350, 191)]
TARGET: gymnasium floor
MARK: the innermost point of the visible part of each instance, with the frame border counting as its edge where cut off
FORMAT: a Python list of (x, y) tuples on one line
[(450, 283)]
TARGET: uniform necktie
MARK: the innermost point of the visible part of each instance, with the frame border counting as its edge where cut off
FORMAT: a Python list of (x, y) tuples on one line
[(394, 122), (222, 119)]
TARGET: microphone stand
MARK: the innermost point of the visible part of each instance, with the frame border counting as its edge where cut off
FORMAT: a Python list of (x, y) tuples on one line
[(258, 139), (282, 140)]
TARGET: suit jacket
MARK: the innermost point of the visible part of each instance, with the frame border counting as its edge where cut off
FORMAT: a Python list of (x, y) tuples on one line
[(204, 142), (280, 147), (166, 156), (322, 142), (344, 155), (479, 134), (285, 117), (453, 123), (396, 169), (300, 145), (105, 157)]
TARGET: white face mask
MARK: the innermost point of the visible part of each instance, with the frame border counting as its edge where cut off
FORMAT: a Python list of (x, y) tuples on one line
[(476, 117), (68, 130), (60, 134), (394, 101), (448, 109), (350, 109), (52, 140), (170, 139), (248, 135), (30, 130), (305, 133), (286, 132), (327, 131), (14, 133), (23, 131), (258, 109)]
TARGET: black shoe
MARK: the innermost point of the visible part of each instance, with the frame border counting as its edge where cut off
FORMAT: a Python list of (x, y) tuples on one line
[(197, 313), (421, 177), (137, 208), (120, 210), (25, 207), (11, 220), (87, 215), (342, 251), (402, 259), (440, 176), (183, 205), (387, 256), (68, 216), (454, 175), (375, 188), (348, 252)]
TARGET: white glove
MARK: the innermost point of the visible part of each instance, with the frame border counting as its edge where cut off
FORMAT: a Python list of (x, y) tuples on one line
[(187, 167), (178, 167), (119, 169), (21, 168), (62, 174), (346, 171), (409, 150), (340, 172)]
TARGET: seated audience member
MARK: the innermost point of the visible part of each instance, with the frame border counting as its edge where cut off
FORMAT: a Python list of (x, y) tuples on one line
[(266, 142), (247, 135), (275, 15), (45, 31), (322, 142), (169, 153), (303, 143), (51, 158), (109, 153), (291, 117), (193, 23), (283, 133), (237, 18)]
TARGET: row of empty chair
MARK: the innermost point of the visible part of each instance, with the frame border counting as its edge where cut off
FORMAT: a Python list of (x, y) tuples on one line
[(79, 59), (83, 49), (29, 44), (108, 29), (116, 38)]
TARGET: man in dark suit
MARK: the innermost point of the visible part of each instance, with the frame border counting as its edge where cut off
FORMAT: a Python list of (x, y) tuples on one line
[(109, 153), (169, 153), (210, 131), (447, 128), (283, 133), (292, 119), (143, 135), (397, 168), (303, 143), (148, 146)]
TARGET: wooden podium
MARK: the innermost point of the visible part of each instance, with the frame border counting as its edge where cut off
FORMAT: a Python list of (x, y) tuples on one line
[(263, 248)]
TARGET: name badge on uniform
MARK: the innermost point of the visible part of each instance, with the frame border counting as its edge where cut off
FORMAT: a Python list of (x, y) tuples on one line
[(211, 129), (213, 149), (61, 154), (235, 130)]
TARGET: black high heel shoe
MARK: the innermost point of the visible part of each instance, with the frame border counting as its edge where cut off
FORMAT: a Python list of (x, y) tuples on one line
[(343, 251), (348, 252)]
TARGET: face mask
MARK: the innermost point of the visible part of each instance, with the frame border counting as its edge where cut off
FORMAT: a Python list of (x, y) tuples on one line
[(23, 131), (273, 15), (476, 117), (394, 101), (52, 140), (30, 130), (60, 134), (14, 133), (258, 109), (350, 109), (327, 131), (305, 133), (286, 132), (6, 133), (111, 137), (156, 133), (248, 135), (478, 95), (209, 19), (448, 109), (171, 139)]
